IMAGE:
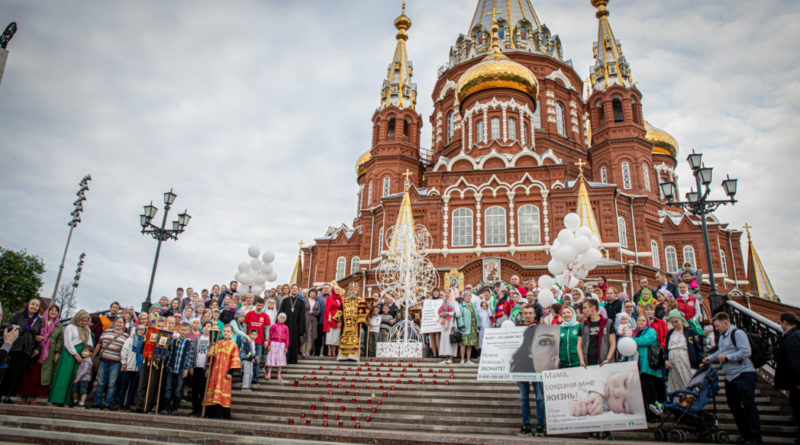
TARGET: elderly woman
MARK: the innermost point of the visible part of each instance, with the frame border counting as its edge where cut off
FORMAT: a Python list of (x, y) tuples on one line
[(468, 321), (24, 349), (684, 352), (447, 321), (645, 337), (76, 336), (36, 382)]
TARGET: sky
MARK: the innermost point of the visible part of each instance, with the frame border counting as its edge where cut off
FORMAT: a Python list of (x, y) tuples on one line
[(254, 113)]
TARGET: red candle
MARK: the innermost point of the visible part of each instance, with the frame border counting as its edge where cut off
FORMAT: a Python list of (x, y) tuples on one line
[(358, 409), (398, 381), (308, 423), (349, 369), (356, 394), (392, 388), (431, 370), (315, 415), (313, 407), (315, 372), (353, 418), (320, 367), (385, 394), (369, 401), (304, 378), (306, 384), (322, 399), (295, 382), (324, 417), (340, 424), (291, 421), (367, 386), (434, 381), (303, 415), (368, 419), (316, 385), (359, 368), (352, 386), (342, 408), (354, 401), (326, 378), (410, 381), (338, 400), (325, 407), (379, 402), (374, 410), (339, 386), (325, 423), (446, 382), (358, 425), (336, 417)]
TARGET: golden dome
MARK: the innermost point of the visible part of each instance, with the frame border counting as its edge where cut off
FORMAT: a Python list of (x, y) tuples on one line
[(663, 142), (402, 23), (497, 71), (360, 169)]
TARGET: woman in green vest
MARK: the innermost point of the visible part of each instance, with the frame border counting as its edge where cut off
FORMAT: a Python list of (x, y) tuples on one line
[(76, 336), (568, 344)]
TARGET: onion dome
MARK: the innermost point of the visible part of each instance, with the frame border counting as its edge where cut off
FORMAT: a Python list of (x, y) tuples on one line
[(663, 142), (361, 161), (497, 71)]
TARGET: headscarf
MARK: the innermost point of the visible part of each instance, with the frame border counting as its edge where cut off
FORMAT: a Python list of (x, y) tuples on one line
[(675, 313), (282, 314), (666, 293), (84, 333), (47, 330), (138, 348), (623, 297), (571, 323), (31, 319)]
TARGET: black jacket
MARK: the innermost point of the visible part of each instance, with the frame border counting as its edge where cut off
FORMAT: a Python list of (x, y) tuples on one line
[(694, 346), (787, 360), (26, 342)]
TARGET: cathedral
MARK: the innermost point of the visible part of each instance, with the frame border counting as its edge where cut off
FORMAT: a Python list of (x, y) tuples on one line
[(517, 143)]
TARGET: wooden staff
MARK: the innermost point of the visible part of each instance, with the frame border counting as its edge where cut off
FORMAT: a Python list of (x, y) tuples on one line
[(209, 364), (158, 394), (147, 393)]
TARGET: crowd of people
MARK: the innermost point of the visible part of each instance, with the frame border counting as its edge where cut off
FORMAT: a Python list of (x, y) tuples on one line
[(189, 347)]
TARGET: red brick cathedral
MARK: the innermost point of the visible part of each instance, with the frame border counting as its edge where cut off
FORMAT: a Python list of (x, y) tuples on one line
[(515, 142)]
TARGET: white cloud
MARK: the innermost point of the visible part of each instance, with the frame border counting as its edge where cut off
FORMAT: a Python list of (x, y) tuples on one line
[(256, 111)]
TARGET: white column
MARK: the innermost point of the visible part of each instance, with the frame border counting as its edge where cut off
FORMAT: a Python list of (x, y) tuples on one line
[(445, 218), (478, 214), (545, 217)]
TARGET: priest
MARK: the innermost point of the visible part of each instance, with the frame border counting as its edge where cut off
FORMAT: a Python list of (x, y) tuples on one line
[(294, 308), (352, 317)]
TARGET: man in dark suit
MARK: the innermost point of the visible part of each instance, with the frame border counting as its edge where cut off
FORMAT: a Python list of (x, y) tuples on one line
[(665, 283)]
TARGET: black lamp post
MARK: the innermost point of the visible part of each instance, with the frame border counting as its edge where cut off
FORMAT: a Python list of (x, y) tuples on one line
[(698, 204), (161, 234), (76, 218)]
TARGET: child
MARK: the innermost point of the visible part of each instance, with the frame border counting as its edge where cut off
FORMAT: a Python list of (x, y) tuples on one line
[(278, 346), (83, 375), (249, 360), (624, 329), (225, 359), (374, 331), (179, 362), (484, 321), (387, 321), (198, 373)]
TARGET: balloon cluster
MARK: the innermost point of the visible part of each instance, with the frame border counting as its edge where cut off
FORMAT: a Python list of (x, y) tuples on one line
[(254, 273), (574, 253)]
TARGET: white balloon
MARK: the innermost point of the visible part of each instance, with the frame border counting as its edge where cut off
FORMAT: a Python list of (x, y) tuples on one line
[(244, 266), (266, 269), (268, 256), (257, 290), (565, 254), (581, 274), (507, 324), (243, 288), (255, 265), (563, 279), (272, 277), (545, 282), (573, 281), (546, 297), (591, 258), (595, 242), (572, 221), (253, 251), (261, 278), (627, 346), (565, 237), (584, 232), (581, 244), (555, 267)]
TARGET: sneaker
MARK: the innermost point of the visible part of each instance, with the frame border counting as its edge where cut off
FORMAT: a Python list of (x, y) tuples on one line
[(656, 408), (524, 431), (449, 361), (539, 430), (607, 436), (443, 362)]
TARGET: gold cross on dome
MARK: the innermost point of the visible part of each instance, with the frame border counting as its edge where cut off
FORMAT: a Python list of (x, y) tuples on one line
[(580, 165), (494, 12), (747, 227), (301, 244), (407, 174)]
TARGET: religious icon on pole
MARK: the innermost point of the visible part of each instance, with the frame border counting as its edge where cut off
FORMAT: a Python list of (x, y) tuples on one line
[(454, 279)]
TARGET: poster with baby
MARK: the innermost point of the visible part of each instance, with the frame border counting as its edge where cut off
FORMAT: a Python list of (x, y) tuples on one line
[(594, 399), (519, 354), (430, 316)]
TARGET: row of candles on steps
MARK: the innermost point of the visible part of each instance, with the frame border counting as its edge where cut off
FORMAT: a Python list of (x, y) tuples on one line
[(352, 386)]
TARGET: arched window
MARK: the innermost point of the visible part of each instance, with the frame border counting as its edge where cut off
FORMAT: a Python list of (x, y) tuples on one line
[(390, 127), (512, 129), (359, 199), (406, 127), (616, 106), (626, 176), (380, 240), (462, 227), (623, 236), (604, 175), (688, 256), (495, 226), (369, 195), (602, 112), (724, 263), (341, 264), (646, 176), (479, 131), (561, 119), (637, 113), (386, 184), (671, 257), (450, 118), (354, 265), (528, 225), (537, 116), (495, 127), (654, 252)]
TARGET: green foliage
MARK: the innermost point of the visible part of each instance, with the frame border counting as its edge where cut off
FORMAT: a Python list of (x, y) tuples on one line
[(20, 279)]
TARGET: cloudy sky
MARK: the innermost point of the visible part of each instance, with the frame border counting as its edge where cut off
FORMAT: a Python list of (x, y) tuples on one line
[(255, 111)]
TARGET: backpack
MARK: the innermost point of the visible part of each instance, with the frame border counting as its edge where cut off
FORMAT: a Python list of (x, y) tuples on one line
[(758, 350)]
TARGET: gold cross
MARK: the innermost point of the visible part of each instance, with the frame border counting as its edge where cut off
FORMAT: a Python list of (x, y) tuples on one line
[(407, 174), (404, 7), (301, 244), (494, 12), (747, 227), (580, 165)]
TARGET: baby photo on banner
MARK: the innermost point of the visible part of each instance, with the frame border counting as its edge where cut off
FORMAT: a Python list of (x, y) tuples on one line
[(519, 353), (596, 398)]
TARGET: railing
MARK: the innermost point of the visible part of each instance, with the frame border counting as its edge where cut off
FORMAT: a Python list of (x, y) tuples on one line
[(768, 330)]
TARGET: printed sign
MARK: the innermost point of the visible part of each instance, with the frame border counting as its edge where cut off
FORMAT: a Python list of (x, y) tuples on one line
[(430, 316), (519, 353)]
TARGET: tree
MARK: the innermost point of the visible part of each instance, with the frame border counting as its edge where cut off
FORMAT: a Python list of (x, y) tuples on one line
[(20, 279), (66, 300)]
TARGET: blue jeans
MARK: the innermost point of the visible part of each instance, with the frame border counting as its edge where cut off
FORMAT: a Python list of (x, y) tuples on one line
[(258, 360), (525, 406), (174, 392), (127, 388), (107, 376)]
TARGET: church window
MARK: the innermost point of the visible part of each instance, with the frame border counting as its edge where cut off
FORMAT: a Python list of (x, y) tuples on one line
[(512, 129), (523, 33), (495, 226), (671, 258), (450, 118), (380, 240), (406, 127), (495, 128), (724, 263), (341, 264), (369, 195), (646, 176), (390, 127), (604, 175), (560, 119), (528, 225), (623, 236), (688, 256), (616, 106), (354, 265), (386, 183), (626, 176), (537, 116), (462, 227), (501, 33), (479, 131), (654, 253)]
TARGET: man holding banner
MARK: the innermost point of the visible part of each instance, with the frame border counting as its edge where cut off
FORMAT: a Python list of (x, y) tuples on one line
[(529, 321)]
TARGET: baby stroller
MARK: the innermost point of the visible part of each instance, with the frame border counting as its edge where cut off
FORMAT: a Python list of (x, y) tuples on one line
[(684, 410)]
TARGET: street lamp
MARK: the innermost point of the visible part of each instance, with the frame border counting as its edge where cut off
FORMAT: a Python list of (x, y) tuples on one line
[(76, 218), (698, 204), (161, 234)]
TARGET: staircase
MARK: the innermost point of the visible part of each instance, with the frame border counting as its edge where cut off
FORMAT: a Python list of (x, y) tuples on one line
[(451, 407)]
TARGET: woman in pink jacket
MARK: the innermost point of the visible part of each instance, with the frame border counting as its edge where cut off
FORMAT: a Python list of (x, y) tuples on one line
[(277, 346)]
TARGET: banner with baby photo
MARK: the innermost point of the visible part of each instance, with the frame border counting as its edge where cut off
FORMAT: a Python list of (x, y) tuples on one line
[(593, 399), (519, 354)]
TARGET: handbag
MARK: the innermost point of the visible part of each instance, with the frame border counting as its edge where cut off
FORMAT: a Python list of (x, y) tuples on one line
[(456, 336), (655, 357)]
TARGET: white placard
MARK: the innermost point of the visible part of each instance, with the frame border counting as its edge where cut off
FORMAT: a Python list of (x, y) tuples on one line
[(519, 353), (430, 316)]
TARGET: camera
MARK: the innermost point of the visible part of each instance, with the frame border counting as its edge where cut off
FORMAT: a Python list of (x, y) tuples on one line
[(6, 326)]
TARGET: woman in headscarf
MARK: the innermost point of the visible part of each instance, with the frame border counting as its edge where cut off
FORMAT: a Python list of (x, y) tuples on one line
[(469, 327), (24, 349), (76, 336), (447, 321), (36, 382), (684, 352), (313, 311), (132, 357), (568, 346)]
